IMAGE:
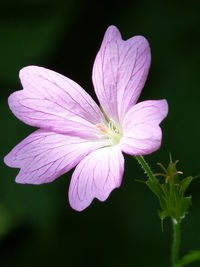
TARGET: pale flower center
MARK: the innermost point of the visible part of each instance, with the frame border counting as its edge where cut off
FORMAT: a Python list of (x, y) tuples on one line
[(109, 131)]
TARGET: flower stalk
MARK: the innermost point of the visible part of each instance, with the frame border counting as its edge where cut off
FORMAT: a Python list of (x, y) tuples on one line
[(176, 243), (146, 168)]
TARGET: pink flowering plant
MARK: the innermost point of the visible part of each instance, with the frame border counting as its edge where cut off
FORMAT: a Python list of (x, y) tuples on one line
[(76, 132)]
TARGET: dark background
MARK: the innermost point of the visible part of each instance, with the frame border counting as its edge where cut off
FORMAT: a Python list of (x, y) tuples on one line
[(37, 225)]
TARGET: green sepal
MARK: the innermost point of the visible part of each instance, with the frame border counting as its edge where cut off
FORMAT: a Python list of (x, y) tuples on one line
[(171, 193), (185, 203), (184, 184), (155, 187)]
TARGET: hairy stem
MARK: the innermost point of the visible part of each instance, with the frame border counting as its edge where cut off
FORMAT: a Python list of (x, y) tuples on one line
[(145, 167), (176, 225)]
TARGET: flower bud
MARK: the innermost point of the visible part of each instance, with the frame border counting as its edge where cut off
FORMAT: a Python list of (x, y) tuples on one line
[(171, 192)]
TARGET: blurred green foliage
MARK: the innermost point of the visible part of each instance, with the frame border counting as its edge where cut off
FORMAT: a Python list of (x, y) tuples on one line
[(37, 226)]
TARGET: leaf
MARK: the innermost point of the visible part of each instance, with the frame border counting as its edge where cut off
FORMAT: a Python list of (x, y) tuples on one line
[(140, 181), (197, 176), (189, 258)]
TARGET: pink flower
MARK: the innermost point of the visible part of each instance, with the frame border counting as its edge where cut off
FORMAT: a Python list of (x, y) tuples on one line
[(75, 131)]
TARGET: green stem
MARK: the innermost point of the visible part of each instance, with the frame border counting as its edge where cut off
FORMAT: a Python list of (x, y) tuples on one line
[(146, 168), (175, 244), (176, 226)]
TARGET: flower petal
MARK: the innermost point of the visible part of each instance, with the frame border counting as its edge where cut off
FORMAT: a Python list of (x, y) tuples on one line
[(43, 156), (96, 176), (54, 102), (141, 132), (120, 71)]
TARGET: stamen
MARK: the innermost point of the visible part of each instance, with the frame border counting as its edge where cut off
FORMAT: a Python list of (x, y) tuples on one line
[(101, 127), (109, 131)]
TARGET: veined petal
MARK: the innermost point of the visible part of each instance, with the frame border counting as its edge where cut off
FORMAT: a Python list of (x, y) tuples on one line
[(54, 102), (120, 71), (43, 156), (141, 131), (96, 176)]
